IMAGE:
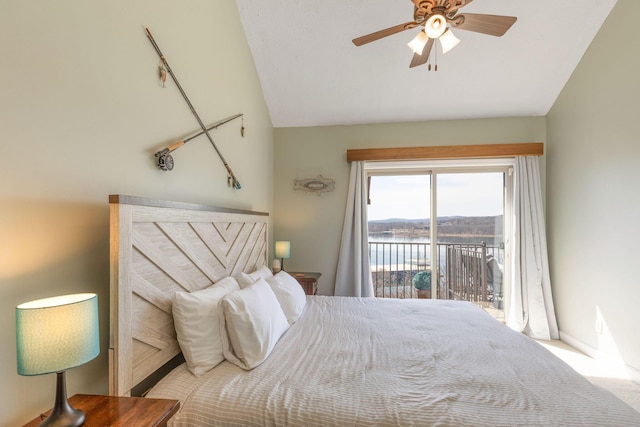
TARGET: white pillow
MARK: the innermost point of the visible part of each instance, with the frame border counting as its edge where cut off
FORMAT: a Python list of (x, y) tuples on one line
[(254, 322), (245, 279), (290, 295), (261, 273), (197, 323)]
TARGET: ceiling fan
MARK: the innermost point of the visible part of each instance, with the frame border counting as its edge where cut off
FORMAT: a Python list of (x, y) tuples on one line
[(438, 17)]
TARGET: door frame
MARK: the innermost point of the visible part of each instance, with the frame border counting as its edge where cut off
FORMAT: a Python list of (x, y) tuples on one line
[(436, 167)]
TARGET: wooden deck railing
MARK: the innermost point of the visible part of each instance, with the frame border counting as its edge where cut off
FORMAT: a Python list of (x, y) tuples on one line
[(469, 272)]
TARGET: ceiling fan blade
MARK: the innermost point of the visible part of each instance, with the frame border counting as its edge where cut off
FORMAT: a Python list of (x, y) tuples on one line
[(384, 33), (493, 25), (424, 57)]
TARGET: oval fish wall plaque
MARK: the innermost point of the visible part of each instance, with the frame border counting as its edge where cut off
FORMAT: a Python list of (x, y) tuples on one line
[(317, 185)]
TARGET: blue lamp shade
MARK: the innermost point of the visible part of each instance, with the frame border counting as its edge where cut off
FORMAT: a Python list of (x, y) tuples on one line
[(56, 334), (283, 249)]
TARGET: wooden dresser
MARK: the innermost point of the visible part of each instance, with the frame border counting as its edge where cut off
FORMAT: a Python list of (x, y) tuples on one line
[(308, 281)]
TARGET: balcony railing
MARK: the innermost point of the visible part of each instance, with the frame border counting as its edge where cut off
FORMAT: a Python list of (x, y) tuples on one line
[(470, 272)]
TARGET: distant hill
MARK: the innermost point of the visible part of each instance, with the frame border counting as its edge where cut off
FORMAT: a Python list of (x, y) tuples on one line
[(427, 220), (484, 226), (392, 220)]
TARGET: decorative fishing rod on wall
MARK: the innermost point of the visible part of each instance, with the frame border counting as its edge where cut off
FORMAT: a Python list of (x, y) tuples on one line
[(165, 160)]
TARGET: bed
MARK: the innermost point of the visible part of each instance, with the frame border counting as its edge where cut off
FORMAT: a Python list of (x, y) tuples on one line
[(341, 361)]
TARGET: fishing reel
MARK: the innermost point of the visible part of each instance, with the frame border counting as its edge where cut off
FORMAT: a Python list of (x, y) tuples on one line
[(165, 160)]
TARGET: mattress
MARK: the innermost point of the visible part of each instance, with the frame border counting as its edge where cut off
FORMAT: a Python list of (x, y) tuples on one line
[(387, 362)]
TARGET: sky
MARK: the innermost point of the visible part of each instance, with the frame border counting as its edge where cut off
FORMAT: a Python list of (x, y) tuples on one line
[(459, 194)]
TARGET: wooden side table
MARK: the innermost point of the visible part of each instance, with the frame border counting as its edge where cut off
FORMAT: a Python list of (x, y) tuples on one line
[(308, 281), (103, 411)]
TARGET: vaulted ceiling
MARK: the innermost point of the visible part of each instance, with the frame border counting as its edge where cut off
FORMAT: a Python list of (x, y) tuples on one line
[(312, 74)]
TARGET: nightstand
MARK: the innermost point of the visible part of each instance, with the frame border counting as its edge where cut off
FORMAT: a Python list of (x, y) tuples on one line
[(308, 281), (103, 411)]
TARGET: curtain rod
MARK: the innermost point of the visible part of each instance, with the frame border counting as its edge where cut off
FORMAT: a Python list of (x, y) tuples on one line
[(447, 152)]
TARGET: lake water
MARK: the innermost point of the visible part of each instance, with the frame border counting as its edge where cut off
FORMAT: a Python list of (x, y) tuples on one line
[(388, 250)]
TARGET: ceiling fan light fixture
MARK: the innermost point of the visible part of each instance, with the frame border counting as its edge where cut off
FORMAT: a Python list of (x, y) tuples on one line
[(448, 41), (418, 42), (435, 26), (435, 19)]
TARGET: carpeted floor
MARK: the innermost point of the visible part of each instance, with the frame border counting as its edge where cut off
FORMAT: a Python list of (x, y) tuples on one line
[(612, 378)]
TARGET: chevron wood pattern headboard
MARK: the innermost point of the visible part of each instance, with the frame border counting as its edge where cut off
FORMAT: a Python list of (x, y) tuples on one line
[(158, 248)]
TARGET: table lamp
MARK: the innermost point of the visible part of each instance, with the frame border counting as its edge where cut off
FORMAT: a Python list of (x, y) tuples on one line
[(283, 250), (53, 335)]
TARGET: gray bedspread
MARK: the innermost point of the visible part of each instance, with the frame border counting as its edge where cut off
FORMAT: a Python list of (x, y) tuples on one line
[(384, 362)]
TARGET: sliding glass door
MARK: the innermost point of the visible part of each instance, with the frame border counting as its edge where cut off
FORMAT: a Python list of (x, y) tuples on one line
[(470, 233), (399, 231), (437, 230)]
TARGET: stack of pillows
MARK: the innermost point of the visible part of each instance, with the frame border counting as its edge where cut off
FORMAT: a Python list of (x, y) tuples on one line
[(238, 318)]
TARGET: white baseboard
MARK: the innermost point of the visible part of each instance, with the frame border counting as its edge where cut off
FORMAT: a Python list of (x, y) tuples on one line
[(594, 353)]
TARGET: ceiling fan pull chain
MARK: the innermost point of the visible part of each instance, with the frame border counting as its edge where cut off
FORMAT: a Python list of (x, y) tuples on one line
[(436, 61)]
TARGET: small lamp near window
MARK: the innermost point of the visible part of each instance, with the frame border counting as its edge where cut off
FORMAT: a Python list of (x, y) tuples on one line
[(53, 335), (283, 250)]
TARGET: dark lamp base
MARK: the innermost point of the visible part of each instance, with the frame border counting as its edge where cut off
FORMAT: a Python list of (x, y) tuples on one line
[(63, 414), (75, 418)]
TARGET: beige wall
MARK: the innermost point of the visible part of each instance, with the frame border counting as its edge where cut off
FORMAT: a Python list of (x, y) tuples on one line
[(592, 194), (313, 223), (81, 114)]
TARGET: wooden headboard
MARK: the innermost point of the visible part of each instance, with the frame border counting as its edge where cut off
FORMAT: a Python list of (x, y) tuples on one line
[(158, 248)]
